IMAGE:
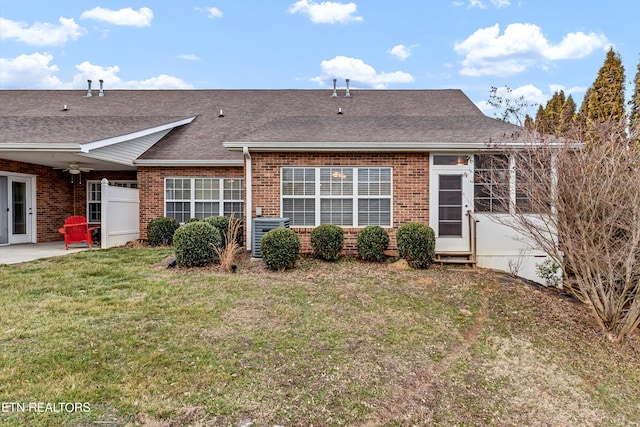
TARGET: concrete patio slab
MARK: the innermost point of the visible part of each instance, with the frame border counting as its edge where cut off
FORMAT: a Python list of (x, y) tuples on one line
[(16, 254)]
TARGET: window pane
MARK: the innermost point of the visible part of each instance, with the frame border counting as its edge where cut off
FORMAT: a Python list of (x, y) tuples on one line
[(374, 212), (232, 189), (234, 208), (491, 183), (179, 210), (336, 211), (298, 181), (450, 160), (301, 212), (207, 209), (207, 189), (336, 181)]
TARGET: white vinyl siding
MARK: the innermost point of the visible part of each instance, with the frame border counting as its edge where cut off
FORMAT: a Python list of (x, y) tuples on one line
[(344, 196)]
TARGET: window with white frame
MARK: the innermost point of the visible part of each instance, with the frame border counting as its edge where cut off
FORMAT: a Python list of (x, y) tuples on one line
[(187, 198), (491, 183), (94, 197), (344, 196)]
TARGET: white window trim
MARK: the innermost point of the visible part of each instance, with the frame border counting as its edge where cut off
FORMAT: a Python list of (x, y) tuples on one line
[(355, 197), (192, 201)]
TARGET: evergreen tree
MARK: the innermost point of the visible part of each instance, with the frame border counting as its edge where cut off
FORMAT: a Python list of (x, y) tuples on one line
[(553, 113), (568, 115), (634, 116), (604, 101), (541, 122)]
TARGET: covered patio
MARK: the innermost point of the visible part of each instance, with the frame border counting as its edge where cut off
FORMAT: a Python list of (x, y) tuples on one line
[(16, 254)]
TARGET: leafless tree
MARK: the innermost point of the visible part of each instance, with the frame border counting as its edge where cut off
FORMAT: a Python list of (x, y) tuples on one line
[(580, 203)]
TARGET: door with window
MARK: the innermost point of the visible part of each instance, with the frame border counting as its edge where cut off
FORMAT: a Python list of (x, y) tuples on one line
[(451, 198), (19, 210)]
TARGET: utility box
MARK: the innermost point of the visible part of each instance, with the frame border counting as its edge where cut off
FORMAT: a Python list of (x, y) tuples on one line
[(262, 226)]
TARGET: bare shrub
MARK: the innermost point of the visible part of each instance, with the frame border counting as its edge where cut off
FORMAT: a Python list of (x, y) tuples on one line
[(227, 254), (581, 205)]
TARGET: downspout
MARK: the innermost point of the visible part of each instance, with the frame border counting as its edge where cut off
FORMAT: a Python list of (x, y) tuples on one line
[(248, 202)]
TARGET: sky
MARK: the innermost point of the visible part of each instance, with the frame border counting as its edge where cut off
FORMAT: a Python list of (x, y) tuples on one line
[(533, 47)]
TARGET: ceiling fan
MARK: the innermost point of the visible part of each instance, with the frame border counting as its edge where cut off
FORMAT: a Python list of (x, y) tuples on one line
[(75, 169)]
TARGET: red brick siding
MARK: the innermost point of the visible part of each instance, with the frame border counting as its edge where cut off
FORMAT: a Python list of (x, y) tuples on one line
[(410, 186), (56, 197), (151, 184)]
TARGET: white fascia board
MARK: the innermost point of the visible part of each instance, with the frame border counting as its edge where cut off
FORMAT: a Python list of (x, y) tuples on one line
[(87, 147), (358, 146), (183, 163), (431, 147), (37, 146)]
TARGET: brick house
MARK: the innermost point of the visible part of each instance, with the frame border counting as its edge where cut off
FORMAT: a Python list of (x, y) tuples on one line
[(347, 157)]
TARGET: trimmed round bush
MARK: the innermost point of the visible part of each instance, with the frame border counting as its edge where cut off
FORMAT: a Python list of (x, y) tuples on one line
[(160, 231), (327, 241), (372, 242), (416, 244), (193, 220), (194, 244), (279, 248)]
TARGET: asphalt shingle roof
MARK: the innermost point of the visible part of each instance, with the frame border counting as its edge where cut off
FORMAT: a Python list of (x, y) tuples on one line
[(441, 116)]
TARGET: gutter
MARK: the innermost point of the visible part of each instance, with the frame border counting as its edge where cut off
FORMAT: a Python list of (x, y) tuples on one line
[(181, 163), (249, 201)]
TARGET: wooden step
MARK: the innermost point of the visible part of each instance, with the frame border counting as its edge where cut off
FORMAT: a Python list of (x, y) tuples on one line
[(465, 258)]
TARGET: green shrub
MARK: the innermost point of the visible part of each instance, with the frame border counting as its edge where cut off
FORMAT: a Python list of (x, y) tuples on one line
[(372, 242), (195, 244), (221, 223), (160, 231), (279, 248), (327, 241), (193, 220), (416, 244)]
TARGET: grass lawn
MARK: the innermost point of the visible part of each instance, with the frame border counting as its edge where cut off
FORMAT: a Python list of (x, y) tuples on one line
[(350, 343)]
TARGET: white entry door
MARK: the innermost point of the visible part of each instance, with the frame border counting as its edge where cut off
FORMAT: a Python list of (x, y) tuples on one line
[(19, 210), (451, 198)]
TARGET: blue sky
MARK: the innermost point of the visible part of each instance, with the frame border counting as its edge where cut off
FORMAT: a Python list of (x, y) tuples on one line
[(534, 47)]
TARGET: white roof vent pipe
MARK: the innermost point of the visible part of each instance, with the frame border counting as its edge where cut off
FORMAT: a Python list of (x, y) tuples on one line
[(347, 94), (89, 94), (101, 88), (335, 90)]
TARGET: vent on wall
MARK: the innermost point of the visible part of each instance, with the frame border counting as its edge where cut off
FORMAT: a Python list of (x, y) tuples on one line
[(262, 226)]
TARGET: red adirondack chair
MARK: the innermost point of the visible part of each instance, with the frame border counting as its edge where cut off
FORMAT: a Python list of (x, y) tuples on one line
[(76, 230)]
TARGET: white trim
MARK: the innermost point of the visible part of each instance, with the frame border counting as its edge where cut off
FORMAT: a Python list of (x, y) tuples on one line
[(248, 218), (40, 146), (181, 163), (87, 147), (440, 147)]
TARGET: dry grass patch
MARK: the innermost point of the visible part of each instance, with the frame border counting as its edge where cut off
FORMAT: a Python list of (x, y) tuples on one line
[(345, 343)]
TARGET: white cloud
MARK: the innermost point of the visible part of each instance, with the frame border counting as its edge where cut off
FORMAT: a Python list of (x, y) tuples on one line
[(189, 57), (33, 71), (212, 12), (37, 71), (327, 12), (88, 71), (355, 69), (520, 47), (41, 34), (123, 17), (483, 5), (401, 51)]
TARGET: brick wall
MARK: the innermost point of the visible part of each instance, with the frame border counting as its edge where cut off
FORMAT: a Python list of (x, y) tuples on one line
[(151, 185), (410, 186), (56, 196)]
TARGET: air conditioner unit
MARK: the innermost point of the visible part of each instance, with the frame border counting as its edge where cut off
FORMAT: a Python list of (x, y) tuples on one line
[(262, 226)]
